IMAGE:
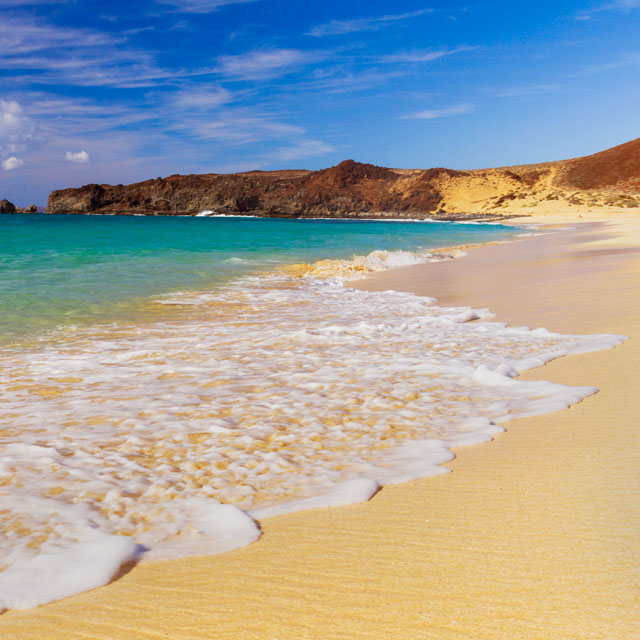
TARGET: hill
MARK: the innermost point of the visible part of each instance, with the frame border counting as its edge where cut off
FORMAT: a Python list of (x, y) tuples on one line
[(354, 189)]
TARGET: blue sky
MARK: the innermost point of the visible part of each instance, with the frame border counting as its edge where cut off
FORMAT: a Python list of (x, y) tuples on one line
[(123, 91)]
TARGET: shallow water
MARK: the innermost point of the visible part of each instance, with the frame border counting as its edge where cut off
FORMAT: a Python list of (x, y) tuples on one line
[(168, 433), (59, 270)]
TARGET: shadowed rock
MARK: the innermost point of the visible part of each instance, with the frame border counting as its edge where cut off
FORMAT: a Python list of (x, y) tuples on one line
[(7, 207)]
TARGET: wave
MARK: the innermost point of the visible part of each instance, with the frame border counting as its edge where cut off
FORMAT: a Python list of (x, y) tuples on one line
[(379, 260), (207, 213), (272, 394)]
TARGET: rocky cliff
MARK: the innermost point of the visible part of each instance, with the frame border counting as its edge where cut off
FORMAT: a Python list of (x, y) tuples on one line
[(353, 189)]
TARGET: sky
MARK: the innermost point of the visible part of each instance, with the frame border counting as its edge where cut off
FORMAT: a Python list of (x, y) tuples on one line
[(117, 92)]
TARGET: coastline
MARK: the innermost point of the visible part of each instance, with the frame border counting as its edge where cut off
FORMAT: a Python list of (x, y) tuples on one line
[(362, 573)]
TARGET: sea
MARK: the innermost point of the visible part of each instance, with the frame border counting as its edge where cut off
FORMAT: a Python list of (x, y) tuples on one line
[(168, 382)]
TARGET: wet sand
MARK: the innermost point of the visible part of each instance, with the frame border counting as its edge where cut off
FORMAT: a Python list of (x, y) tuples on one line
[(534, 535)]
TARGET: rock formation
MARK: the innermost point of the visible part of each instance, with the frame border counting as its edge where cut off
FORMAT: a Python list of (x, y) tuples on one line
[(9, 207), (353, 189)]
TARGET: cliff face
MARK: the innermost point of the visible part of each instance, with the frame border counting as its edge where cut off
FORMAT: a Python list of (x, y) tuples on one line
[(353, 189), (350, 188)]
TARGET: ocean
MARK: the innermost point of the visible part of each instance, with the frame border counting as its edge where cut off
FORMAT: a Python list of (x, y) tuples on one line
[(58, 270), (168, 382)]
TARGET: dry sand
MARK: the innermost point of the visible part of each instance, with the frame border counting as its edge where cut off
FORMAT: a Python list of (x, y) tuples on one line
[(534, 535)]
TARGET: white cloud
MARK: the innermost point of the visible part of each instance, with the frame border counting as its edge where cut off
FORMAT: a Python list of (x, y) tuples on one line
[(203, 98), (616, 5), (12, 163), (424, 56), (306, 148), (342, 27), (432, 114), (79, 157), (269, 63), (16, 128), (201, 6)]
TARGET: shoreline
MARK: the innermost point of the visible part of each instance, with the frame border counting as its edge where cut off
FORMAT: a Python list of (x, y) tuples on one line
[(392, 497)]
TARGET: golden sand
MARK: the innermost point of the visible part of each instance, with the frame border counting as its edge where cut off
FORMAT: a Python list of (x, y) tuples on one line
[(534, 535)]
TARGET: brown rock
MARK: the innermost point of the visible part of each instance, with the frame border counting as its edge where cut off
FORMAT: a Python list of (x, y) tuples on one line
[(355, 189), (7, 207)]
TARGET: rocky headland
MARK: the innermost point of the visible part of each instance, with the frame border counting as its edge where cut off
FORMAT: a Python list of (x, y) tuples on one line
[(352, 189)]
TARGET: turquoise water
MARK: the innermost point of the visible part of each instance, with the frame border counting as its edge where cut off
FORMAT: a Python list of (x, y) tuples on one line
[(58, 270)]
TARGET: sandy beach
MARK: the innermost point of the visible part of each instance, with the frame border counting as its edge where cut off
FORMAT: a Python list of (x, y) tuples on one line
[(533, 535)]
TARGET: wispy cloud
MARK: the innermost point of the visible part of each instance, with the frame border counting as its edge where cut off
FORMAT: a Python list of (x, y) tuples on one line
[(616, 5), (25, 36), (201, 6), (432, 114), (342, 27), (338, 81), (265, 64), (71, 56), (630, 59), (202, 97), (236, 126), (305, 148), (424, 56), (526, 90), (169, 122)]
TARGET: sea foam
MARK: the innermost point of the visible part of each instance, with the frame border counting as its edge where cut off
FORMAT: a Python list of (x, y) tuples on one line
[(270, 395)]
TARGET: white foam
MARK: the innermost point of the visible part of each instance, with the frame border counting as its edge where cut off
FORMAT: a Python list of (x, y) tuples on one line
[(340, 495), (379, 260), (39, 579), (208, 213), (271, 395)]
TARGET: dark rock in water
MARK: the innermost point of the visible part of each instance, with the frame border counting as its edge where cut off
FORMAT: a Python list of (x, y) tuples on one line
[(7, 207)]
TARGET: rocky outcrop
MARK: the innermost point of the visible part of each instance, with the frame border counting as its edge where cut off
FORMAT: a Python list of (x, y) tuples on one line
[(350, 189), (354, 189), (7, 207)]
